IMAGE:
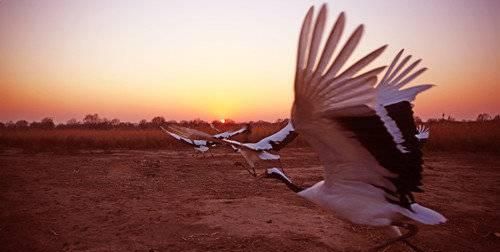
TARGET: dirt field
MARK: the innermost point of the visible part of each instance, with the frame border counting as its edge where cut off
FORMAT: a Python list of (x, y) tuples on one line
[(170, 201)]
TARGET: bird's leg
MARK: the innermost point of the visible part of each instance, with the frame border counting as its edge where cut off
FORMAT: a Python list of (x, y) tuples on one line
[(209, 151), (246, 168), (412, 230), (254, 172), (396, 232), (281, 165)]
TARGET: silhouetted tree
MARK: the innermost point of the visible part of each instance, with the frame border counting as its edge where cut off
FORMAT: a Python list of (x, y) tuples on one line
[(483, 117), (418, 120), (143, 124), (22, 124), (115, 122), (45, 123), (10, 125), (72, 122), (496, 118), (2, 125), (91, 119), (157, 121), (125, 125), (196, 122)]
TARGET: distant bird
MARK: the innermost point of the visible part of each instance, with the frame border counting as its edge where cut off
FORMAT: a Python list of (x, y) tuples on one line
[(185, 135), (200, 146), (264, 149), (363, 135), (422, 133)]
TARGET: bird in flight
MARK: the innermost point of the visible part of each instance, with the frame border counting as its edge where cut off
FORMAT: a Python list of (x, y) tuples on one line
[(264, 149), (188, 136), (363, 133)]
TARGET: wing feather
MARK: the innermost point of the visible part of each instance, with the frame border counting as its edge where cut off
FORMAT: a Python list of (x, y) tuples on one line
[(316, 40), (345, 53), (331, 44), (329, 95)]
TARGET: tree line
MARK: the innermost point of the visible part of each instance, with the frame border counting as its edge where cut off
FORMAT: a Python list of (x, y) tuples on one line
[(94, 121)]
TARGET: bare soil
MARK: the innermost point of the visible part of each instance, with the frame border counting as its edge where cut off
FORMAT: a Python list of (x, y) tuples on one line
[(170, 201)]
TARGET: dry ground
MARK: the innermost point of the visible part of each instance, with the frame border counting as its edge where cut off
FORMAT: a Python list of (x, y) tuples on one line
[(169, 201)]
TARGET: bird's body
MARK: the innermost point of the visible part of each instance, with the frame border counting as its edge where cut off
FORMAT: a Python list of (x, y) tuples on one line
[(353, 201)]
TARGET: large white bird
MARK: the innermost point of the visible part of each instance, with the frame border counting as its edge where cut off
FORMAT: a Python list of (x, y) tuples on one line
[(266, 148), (363, 135), (186, 135)]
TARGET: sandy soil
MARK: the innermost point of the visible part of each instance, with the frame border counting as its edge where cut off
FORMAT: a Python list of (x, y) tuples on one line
[(170, 201)]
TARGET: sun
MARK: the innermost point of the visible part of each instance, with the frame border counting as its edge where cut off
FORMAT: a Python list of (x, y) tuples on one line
[(222, 120)]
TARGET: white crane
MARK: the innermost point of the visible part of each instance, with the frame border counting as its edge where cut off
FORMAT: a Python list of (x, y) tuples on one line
[(185, 135), (363, 135), (264, 149)]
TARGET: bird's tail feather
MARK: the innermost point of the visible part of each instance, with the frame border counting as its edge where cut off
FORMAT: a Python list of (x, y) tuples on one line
[(424, 215)]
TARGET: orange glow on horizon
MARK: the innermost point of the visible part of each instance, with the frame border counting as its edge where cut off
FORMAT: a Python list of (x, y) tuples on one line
[(225, 59)]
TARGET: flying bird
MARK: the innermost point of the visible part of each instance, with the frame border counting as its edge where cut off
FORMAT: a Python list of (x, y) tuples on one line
[(264, 149), (364, 135), (422, 133), (187, 135), (200, 146)]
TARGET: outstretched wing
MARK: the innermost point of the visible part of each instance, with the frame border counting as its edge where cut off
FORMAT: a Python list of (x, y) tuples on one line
[(274, 142), (362, 134), (194, 143), (191, 133), (323, 94), (422, 133), (229, 134)]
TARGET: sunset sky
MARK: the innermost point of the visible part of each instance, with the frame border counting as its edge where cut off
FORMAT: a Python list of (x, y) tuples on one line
[(217, 59)]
